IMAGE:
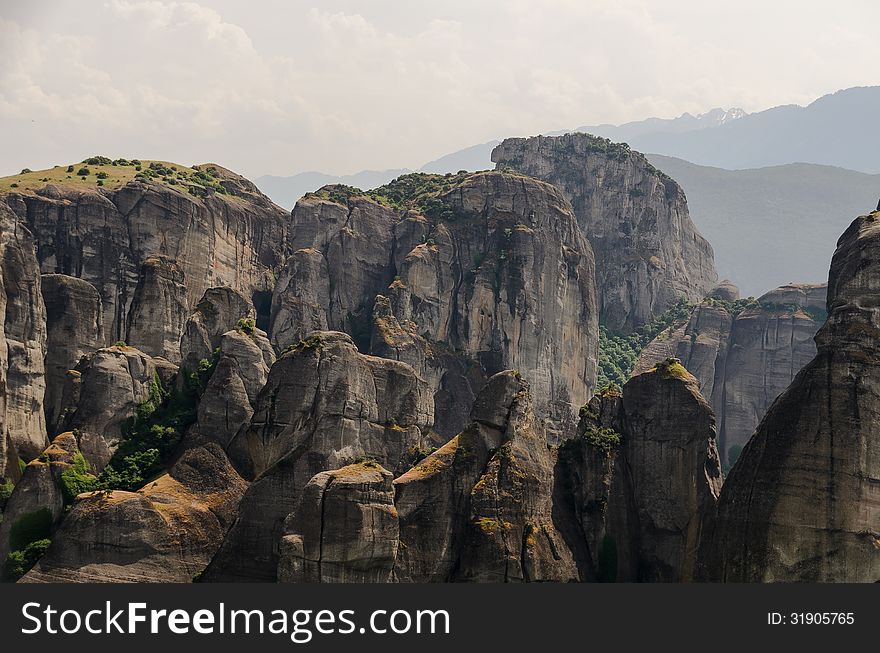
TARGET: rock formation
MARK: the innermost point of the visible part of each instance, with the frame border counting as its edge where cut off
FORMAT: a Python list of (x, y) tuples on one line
[(480, 507), (744, 354), (165, 532), (38, 499), (22, 347), (103, 393), (74, 328), (345, 528), (482, 272), (644, 478), (648, 252), (801, 504), (242, 370), (152, 249), (324, 406), (217, 312)]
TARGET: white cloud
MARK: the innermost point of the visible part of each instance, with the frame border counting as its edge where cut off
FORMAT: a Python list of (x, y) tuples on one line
[(290, 85)]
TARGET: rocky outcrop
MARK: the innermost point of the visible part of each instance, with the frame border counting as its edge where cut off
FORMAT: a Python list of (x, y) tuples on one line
[(648, 252), (115, 239), (344, 530), (217, 312), (801, 504), (228, 402), (22, 347), (744, 354), (38, 498), (480, 508), (103, 393), (487, 270), (643, 480), (324, 406), (74, 328), (165, 532), (159, 310)]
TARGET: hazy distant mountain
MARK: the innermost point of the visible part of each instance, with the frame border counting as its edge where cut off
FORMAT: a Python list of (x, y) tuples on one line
[(285, 191), (770, 226), (686, 122), (838, 129)]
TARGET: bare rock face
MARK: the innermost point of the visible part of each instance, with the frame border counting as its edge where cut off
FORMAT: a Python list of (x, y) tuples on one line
[(490, 267), (102, 394), (217, 312), (480, 508), (39, 490), (113, 239), (227, 405), (648, 252), (22, 346), (744, 357), (324, 406), (74, 328), (165, 532), (643, 493), (801, 504), (301, 299), (159, 309), (345, 528)]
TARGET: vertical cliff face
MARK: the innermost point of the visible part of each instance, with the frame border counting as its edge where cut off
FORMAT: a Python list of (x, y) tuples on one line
[(744, 354), (648, 252), (460, 276), (324, 406), (480, 508), (643, 479), (74, 328), (22, 347), (801, 503), (152, 249)]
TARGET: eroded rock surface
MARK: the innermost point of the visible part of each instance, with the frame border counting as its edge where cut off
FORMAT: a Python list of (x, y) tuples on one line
[(324, 406), (344, 530), (103, 393), (487, 270), (22, 347), (165, 532), (648, 252), (801, 504), (217, 312), (74, 328), (744, 356)]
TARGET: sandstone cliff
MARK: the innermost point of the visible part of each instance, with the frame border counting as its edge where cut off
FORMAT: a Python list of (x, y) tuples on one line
[(153, 244), (324, 406), (22, 347), (479, 273), (643, 479), (801, 503), (648, 252), (743, 353)]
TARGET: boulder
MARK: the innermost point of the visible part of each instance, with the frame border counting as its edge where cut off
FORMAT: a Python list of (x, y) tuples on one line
[(166, 532), (344, 530)]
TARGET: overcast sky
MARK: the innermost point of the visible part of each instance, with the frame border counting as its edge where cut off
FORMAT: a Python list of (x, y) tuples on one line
[(284, 86)]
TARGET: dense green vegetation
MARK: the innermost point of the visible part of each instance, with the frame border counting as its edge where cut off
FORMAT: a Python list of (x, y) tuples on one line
[(150, 438), (77, 479), (418, 191), (618, 352), (30, 527), (19, 562)]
